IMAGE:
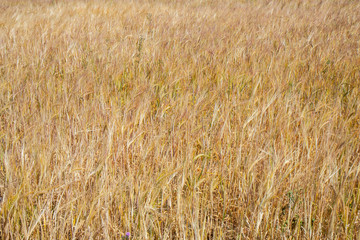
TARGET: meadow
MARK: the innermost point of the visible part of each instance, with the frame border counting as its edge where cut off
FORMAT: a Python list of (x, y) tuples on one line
[(168, 119)]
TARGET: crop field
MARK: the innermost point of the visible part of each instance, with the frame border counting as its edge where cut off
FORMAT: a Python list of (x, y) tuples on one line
[(169, 119)]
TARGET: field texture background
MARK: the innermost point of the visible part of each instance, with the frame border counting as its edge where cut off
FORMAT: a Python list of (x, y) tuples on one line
[(180, 119)]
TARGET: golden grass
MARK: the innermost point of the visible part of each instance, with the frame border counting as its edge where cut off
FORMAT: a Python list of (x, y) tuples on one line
[(180, 119)]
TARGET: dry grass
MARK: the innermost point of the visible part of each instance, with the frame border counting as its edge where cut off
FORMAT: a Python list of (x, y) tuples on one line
[(180, 119)]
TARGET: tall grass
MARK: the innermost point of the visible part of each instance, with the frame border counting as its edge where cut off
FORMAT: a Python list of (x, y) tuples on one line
[(180, 119)]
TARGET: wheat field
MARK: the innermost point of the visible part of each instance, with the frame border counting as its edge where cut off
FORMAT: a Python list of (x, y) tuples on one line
[(191, 119)]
